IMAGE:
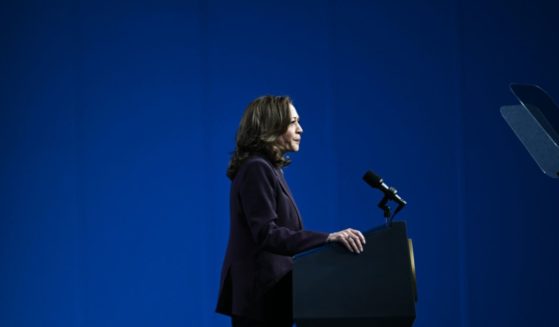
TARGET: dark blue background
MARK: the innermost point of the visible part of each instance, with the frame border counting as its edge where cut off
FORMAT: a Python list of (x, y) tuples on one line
[(117, 120)]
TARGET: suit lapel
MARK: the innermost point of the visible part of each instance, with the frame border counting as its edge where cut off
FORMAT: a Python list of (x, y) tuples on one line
[(285, 187)]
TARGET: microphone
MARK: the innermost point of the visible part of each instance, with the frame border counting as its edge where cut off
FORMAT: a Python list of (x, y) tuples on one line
[(377, 182)]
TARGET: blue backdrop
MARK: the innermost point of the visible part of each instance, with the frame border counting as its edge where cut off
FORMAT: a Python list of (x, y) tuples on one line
[(117, 119)]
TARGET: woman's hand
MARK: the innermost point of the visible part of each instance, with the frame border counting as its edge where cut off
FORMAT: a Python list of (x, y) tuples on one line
[(351, 238)]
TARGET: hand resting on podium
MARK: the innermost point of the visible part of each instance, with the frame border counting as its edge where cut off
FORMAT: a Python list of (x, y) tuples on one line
[(351, 238)]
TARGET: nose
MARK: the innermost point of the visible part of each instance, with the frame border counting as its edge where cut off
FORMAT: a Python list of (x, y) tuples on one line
[(299, 128)]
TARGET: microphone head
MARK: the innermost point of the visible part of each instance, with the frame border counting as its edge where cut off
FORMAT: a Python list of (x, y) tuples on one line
[(372, 179)]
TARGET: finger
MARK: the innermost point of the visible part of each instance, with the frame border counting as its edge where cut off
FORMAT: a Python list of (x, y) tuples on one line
[(351, 244), (359, 244), (347, 245), (359, 239), (359, 235), (356, 244)]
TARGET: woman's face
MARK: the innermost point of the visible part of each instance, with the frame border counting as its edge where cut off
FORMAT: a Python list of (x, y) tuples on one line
[(290, 140)]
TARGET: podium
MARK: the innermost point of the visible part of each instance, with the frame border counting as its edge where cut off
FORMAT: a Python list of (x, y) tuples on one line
[(377, 288)]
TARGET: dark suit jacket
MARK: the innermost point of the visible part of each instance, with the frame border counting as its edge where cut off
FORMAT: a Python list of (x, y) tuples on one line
[(266, 230)]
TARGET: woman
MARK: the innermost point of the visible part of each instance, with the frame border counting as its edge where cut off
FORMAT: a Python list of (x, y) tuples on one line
[(266, 228)]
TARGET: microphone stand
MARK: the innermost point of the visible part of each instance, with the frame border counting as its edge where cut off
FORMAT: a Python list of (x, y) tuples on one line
[(383, 205)]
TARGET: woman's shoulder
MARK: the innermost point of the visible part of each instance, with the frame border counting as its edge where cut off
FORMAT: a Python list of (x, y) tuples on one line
[(257, 163), (258, 159)]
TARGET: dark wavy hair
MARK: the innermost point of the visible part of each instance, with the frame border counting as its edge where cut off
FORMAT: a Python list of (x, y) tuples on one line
[(264, 120)]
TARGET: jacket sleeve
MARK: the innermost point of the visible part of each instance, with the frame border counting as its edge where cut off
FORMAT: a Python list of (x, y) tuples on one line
[(258, 200)]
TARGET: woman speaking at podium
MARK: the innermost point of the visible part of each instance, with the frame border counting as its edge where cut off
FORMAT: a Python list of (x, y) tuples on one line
[(266, 228)]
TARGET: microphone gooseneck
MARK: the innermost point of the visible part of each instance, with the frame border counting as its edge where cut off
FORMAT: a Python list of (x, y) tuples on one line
[(390, 193)]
